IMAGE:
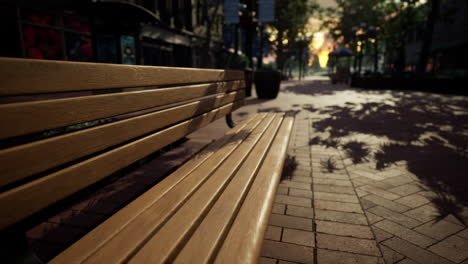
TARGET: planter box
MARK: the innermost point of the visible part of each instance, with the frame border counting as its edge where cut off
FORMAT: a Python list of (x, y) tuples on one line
[(267, 84)]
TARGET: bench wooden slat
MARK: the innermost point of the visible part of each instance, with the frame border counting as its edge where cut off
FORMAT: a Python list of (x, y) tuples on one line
[(182, 223), (242, 244), (86, 246), (17, 203), (209, 234), (12, 160), (134, 234), (23, 118), (26, 76)]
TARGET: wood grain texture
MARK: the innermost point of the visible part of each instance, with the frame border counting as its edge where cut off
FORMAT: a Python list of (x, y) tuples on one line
[(29, 198), (175, 231), (206, 238), (124, 244), (27, 76), (86, 246), (18, 119), (45, 154), (244, 240)]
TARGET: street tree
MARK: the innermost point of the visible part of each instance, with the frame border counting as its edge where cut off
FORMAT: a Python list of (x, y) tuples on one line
[(291, 17)]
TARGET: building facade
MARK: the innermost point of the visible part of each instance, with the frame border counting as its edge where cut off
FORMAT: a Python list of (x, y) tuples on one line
[(147, 32)]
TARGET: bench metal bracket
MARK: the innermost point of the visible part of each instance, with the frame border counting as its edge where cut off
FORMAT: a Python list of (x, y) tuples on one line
[(229, 121)]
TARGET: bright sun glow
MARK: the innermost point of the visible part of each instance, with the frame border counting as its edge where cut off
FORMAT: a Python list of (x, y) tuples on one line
[(323, 58)]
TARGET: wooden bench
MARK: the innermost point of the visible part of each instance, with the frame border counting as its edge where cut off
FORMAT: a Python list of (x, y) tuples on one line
[(214, 208)]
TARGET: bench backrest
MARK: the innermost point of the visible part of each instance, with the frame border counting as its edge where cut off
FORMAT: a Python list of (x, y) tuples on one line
[(44, 158)]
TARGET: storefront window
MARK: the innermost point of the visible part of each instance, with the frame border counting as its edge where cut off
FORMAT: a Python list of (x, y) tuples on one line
[(55, 36)]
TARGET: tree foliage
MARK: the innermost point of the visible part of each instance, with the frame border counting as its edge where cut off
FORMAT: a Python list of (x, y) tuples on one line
[(396, 19), (291, 19)]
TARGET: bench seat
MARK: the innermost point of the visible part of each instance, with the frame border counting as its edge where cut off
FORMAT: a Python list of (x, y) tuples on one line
[(68, 127), (213, 208)]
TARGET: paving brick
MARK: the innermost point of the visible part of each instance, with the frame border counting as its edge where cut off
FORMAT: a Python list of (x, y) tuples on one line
[(379, 192), (303, 161), (453, 248), (336, 197), (300, 155), (303, 169), (370, 175), (360, 181), (390, 173), (333, 189), (413, 201), (291, 222), (438, 229), (300, 237), (464, 233), (264, 260), (390, 255), (348, 244), (342, 217), (361, 193), (405, 233), (332, 182), (426, 193), (452, 219), (273, 233), (381, 184), (381, 235), (366, 204), (406, 189), (330, 176), (386, 203), (278, 208), (300, 193), (414, 252), (399, 180), (302, 172), (424, 213), (297, 185), (301, 179), (283, 199), (395, 217), (407, 261), (300, 211), (334, 257), (287, 251), (341, 229), (282, 190), (338, 206), (373, 218), (286, 262)]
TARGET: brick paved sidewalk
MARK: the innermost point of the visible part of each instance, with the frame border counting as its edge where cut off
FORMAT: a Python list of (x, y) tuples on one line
[(317, 217), (371, 207)]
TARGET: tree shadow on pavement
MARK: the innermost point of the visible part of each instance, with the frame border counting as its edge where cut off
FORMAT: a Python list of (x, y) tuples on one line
[(357, 151), (317, 88), (427, 131), (290, 165)]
